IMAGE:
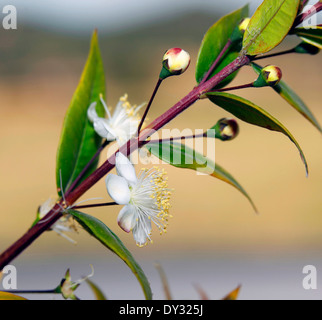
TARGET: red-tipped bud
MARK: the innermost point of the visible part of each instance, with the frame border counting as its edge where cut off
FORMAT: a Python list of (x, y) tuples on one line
[(175, 61), (269, 76)]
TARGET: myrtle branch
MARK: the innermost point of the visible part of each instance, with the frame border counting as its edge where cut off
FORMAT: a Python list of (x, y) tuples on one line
[(133, 144)]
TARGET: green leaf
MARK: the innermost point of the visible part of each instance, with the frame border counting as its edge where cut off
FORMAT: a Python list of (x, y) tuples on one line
[(99, 295), (292, 98), (269, 25), (214, 41), (251, 113), (79, 142), (103, 234), (181, 156), (312, 36)]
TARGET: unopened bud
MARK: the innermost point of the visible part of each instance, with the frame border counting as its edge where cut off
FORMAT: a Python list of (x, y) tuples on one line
[(269, 76), (175, 61), (239, 30), (243, 25), (308, 48), (225, 129)]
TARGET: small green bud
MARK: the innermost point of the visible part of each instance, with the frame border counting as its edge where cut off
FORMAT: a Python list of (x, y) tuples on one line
[(269, 76), (225, 129), (307, 48), (175, 61)]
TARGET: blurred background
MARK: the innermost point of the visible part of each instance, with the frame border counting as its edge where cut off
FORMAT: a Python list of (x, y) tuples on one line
[(214, 240)]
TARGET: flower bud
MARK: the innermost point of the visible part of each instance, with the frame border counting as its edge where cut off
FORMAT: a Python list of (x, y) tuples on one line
[(305, 47), (175, 61), (239, 31), (225, 129), (243, 25), (269, 76)]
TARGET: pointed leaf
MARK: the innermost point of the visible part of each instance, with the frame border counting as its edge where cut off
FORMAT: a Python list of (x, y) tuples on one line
[(312, 36), (251, 113), (181, 156), (214, 41), (269, 25), (292, 98), (99, 295), (103, 234), (79, 142), (10, 296)]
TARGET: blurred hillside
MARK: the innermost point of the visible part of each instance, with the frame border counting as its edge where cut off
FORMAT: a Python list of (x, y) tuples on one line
[(22, 49)]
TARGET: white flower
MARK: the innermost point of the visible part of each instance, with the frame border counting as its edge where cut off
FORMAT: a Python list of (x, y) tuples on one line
[(146, 198), (120, 126), (62, 225)]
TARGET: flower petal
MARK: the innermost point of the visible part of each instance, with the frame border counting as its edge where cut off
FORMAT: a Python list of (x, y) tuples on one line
[(91, 112), (118, 189), (127, 218), (125, 168), (142, 231), (103, 129)]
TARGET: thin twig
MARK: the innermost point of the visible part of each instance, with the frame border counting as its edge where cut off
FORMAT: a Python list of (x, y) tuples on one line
[(274, 54), (95, 205), (149, 104)]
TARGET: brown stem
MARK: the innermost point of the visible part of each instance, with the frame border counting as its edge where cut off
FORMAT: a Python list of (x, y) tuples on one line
[(34, 232), (176, 138), (95, 205), (248, 85)]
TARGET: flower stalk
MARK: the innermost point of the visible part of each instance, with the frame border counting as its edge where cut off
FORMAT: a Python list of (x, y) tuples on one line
[(149, 104)]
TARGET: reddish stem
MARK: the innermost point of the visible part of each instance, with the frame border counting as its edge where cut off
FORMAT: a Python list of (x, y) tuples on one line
[(243, 86)]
